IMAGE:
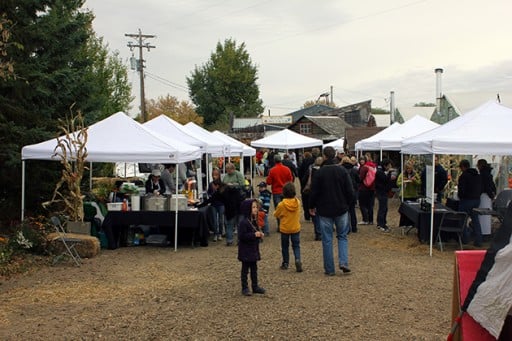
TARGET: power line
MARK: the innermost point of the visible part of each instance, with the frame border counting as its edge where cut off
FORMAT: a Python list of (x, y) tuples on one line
[(167, 82)]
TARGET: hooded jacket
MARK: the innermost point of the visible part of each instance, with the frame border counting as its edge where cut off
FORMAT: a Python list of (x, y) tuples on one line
[(248, 244), (470, 185), (288, 213), (488, 185)]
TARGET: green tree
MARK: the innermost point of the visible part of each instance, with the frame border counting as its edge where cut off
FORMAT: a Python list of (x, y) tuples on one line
[(61, 65), (226, 85), (180, 111)]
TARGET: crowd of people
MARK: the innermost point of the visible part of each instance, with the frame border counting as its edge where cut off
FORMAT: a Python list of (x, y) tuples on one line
[(331, 185)]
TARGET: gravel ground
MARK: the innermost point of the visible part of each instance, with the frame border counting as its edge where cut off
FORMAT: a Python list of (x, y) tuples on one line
[(396, 291)]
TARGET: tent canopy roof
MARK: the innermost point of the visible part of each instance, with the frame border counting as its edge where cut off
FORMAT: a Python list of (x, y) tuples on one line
[(119, 138), (484, 130), (286, 139)]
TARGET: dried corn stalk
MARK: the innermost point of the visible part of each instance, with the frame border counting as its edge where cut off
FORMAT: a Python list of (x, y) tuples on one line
[(72, 151)]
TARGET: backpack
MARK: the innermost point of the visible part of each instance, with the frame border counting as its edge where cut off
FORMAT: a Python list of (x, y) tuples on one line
[(369, 178)]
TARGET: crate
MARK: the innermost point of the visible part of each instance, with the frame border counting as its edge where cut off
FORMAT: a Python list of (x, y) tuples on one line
[(153, 203), (114, 206), (182, 202)]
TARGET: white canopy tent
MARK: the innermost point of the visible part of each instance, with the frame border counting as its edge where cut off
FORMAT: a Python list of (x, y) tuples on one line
[(373, 142), (286, 139), (246, 150), (336, 144), (484, 130), (166, 126), (412, 127), (118, 138)]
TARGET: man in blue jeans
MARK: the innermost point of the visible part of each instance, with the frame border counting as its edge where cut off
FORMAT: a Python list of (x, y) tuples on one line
[(331, 195)]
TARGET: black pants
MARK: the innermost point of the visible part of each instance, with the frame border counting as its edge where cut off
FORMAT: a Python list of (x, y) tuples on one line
[(246, 266), (366, 203)]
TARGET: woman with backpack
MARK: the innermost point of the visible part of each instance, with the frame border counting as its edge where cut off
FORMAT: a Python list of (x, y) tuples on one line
[(367, 172)]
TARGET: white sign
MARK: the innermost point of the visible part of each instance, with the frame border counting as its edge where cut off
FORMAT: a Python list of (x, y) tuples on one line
[(276, 119)]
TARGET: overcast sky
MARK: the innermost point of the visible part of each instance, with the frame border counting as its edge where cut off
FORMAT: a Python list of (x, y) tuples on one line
[(363, 48)]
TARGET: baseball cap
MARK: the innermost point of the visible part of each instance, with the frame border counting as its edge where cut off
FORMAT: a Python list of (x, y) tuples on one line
[(262, 184)]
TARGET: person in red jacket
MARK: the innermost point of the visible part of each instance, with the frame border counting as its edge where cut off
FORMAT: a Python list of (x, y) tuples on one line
[(366, 193), (277, 177)]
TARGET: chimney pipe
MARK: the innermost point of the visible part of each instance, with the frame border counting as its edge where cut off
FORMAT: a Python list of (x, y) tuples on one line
[(392, 107), (332, 94), (439, 91)]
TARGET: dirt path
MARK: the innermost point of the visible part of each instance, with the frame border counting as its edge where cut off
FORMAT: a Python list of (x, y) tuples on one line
[(396, 292)]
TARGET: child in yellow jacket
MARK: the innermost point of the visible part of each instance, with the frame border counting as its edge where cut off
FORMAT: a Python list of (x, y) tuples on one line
[(288, 212)]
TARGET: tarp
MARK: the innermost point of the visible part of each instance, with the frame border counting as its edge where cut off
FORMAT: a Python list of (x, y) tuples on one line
[(485, 130), (336, 144), (286, 139), (415, 126), (203, 134), (235, 144), (119, 138), (373, 142), (166, 126)]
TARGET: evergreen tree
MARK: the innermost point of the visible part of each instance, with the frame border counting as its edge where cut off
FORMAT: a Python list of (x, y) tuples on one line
[(60, 65), (226, 85)]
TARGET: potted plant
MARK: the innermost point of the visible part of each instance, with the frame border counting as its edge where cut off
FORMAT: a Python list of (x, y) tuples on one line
[(132, 190), (72, 151)]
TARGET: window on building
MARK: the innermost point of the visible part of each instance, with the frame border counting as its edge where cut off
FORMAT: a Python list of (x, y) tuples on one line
[(305, 128)]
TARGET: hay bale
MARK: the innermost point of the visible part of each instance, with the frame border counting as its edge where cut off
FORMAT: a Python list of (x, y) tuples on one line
[(88, 247)]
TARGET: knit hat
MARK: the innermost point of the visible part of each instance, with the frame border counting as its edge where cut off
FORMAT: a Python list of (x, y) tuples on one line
[(156, 172)]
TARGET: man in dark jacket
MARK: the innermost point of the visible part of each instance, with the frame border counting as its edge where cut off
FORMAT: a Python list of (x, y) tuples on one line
[(469, 189), (331, 196), (383, 184)]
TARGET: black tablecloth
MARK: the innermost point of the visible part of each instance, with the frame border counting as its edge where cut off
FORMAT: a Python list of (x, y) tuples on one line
[(198, 222), (421, 219)]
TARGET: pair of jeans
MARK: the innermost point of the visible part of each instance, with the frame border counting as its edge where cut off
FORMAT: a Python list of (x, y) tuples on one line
[(382, 211), (342, 227), (467, 205), (285, 246), (230, 227), (353, 217), (366, 202), (266, 228), (219, 220), (316, 226), (277, 198)]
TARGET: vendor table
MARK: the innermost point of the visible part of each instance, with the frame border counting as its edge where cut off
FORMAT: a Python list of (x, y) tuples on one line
[(196, 221), (421, 219)]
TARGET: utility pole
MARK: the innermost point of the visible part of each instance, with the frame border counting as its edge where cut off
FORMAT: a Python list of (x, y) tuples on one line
[(139, 38)]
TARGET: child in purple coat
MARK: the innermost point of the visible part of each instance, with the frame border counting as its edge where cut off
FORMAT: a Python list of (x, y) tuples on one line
[(249, 236)]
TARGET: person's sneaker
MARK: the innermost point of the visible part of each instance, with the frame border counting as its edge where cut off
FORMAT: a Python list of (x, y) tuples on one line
[(362, 223), (258, 290), (214, 238), (229, 243), (384, 229), (284, 266), (246, 292), (298, 266), (345, 269), (219, 238), (330, 273)]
